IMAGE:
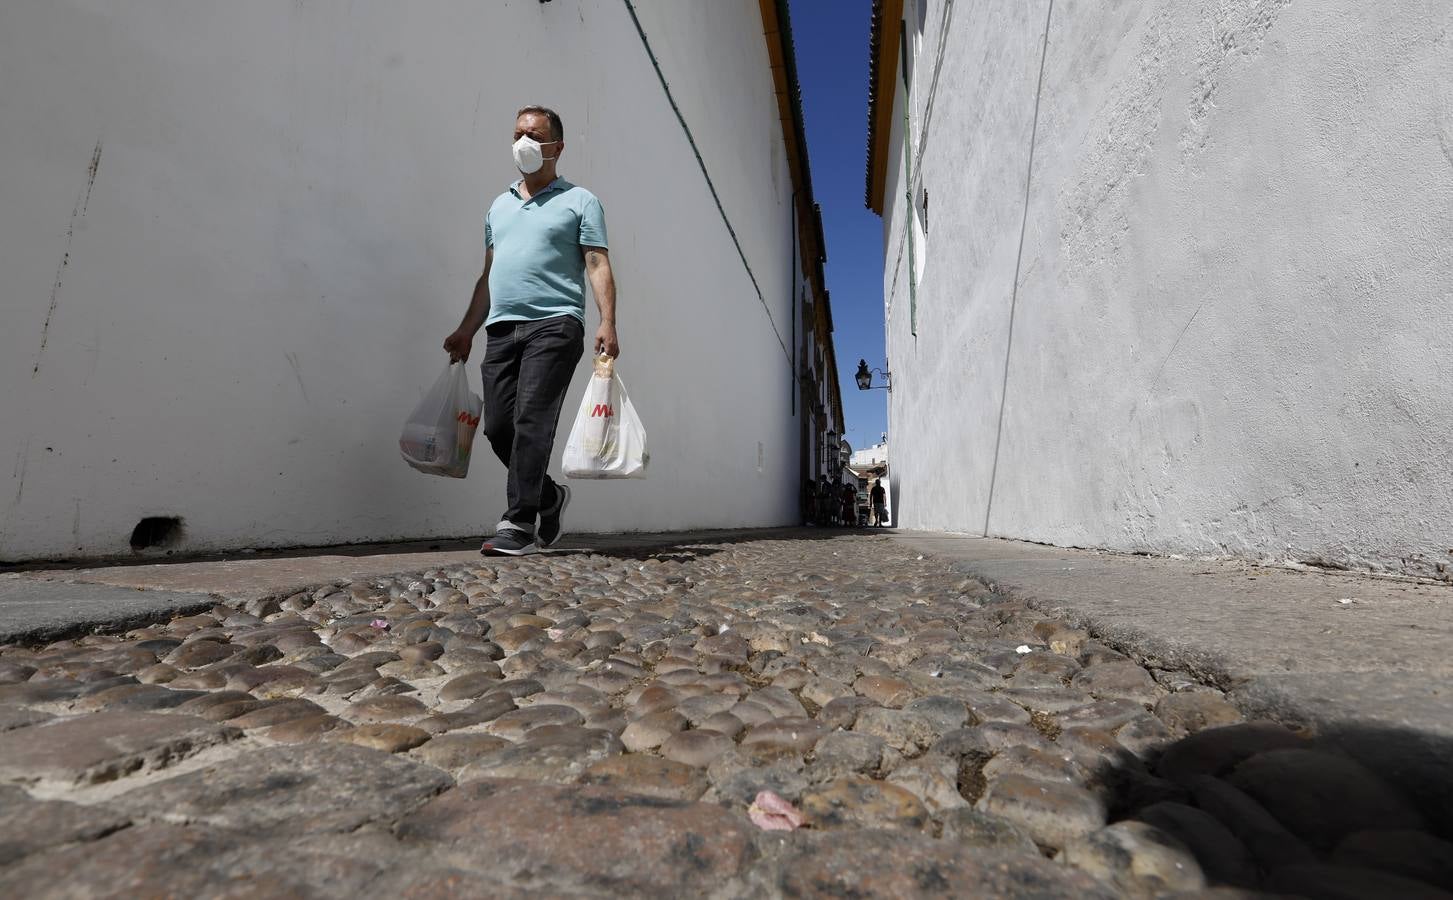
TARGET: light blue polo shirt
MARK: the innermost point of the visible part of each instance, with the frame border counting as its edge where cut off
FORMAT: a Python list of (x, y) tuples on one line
[(539, 268)]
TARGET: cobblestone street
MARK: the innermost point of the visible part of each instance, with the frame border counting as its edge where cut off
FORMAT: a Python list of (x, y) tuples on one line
[(839, 716)]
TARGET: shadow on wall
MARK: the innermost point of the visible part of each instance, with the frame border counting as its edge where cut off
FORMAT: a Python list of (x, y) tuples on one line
[(1361, 812), (895, 499)]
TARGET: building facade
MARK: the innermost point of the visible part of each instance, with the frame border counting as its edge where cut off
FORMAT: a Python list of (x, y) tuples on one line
[(820, 394), (234, 236), (1171, 277)]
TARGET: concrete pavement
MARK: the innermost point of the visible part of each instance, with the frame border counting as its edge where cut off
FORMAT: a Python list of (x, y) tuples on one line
[(1301, 646)]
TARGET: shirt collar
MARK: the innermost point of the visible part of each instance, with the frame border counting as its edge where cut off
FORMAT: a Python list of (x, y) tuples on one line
[(556, 185)]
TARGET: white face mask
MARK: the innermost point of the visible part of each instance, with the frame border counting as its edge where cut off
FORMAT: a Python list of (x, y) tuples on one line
[(528, 157)]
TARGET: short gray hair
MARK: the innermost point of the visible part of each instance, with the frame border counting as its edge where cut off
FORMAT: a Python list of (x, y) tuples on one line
[(557, 128)]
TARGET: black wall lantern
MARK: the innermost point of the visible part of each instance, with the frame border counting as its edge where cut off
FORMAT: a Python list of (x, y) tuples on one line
[(864, 378)]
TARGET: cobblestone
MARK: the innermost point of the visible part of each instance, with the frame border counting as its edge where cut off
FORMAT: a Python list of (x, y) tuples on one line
[(387, 737), (1413, 854), (582, 836), (1321, 796), (1052, 812), (28, 826), (290, 790), (973, 828), (1196, 711), (696, 748), (649, 775), (1224, 858), (1139, 859), (865, 803), (897, 864), (589, 723), (79, 750)]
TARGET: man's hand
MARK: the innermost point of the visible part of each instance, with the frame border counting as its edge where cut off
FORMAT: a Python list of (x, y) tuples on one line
[(462, 340), (459, 344), (605, 340)]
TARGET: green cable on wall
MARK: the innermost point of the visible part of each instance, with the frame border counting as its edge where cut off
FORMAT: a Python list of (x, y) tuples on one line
[(711, 186)]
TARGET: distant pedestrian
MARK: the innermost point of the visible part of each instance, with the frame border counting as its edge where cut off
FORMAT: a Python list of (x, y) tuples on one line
[(825, 502), (543, 237), (850, 504), (878, 497)]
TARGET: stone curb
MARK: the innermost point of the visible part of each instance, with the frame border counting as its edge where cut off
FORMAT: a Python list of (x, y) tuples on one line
[(38, 612)]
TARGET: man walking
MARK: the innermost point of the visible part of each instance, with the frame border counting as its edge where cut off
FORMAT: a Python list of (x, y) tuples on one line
[(543, 237), (879, 499)]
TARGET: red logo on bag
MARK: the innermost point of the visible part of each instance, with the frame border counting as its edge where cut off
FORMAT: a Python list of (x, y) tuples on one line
[(602, 411), (465, 418)]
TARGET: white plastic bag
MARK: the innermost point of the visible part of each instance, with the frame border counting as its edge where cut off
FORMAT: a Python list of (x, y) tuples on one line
[(438, 437), (608, 440)]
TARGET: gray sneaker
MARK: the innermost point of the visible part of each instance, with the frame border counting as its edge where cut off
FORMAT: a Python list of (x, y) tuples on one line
[(548, 534), (510, 542)]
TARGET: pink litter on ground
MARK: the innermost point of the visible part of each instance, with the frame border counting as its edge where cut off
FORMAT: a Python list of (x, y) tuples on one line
[(379, 623), (770, 812)]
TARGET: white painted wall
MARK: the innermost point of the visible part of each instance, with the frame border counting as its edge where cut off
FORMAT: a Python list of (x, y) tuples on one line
[(1233, 330), (229, 317)]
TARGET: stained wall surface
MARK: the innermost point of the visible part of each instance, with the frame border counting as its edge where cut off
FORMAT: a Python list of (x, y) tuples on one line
[(1213, 314), (234, 235)]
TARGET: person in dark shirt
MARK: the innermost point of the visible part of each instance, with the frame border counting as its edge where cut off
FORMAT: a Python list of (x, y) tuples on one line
[(879, 499)]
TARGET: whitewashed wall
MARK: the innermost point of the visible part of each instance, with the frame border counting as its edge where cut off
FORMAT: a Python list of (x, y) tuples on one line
[(1233, 331), (233, 236)]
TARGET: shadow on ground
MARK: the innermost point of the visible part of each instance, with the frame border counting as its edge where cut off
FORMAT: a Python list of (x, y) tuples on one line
[(1352, 813), (630, 545)]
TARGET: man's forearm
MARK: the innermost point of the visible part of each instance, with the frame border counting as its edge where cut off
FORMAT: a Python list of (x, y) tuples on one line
[(603, 284), (478, 307)]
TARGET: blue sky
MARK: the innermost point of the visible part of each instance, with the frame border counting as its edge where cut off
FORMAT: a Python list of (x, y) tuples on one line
[(832, 66)]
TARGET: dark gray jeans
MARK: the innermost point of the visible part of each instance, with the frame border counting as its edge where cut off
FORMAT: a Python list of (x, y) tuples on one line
[(527, 368)]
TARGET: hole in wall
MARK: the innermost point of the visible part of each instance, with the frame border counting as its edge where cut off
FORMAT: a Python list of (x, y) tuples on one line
[(156, 533)]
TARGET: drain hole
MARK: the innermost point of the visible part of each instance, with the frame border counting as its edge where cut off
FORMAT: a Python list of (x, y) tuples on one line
[(156, 532)]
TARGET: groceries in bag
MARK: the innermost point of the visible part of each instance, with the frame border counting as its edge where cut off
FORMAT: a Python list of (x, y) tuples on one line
[(608, 440), (438, 437)]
